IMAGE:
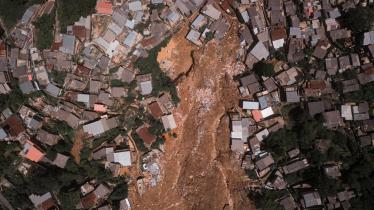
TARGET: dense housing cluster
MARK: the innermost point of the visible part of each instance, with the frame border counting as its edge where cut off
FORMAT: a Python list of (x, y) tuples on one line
[(304, 125)]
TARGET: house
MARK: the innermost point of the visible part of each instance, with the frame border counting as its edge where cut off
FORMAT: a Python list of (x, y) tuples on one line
[(30, 14), (118, 92), (100, 108), (311, 199), (295, 50), (368, 38), (68, 44), (250, 82), (131, 39), (194, 37), (53, 90), (104, 7), (340, 34), (71, 119), (295, 32), (332, 171), (288, 77), (245, 34), (366, 141), (278, 36), (344, 63), (60, 160), (145, 135), (333, 119), (125, 204), (3, 134), (126, 75), (250, 105), (168, 122), (270, 85), (288, 203), (155, 110), (212, 12), (95, 197), (240, 128), (292, 96), (32, 152), (320, 50), (263, 165), (100, 126), (46, 137), (135, 6), (293, 153), (122, 157), (260, 52), (262, 134), (237, 146), (27, 87), (331, 65), (346, 112), (199, 22), (166, 103), (316, 107), (13, 125), (255, 146), (355, 59), (351, 85), (295, 166), (43, 202), (267, 112), (145, 83)]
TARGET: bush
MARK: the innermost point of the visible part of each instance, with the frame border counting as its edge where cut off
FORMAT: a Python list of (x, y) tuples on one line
[(58, 76)]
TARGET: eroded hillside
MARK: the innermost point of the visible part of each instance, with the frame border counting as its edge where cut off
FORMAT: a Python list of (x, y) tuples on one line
[(198, 169)]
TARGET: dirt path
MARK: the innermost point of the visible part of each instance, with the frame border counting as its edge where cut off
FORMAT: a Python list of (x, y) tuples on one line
[(78, 145), (199, 170)]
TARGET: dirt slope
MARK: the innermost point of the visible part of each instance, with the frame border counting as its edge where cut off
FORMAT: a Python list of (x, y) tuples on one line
[(199, 170)]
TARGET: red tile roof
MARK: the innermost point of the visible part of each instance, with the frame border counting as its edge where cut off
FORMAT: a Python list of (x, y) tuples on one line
[(79, 32), (104, 7), (82, 70), (145, 135), (14, 125), (155, 110)]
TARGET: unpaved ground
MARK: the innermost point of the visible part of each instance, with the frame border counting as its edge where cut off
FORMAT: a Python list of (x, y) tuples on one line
[(199, 170), (176, 58), (78, 145)]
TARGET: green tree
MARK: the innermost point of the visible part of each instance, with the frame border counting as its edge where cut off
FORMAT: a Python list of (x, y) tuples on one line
[(264, 69), (69, 199), (358, 19), (70, 11), (44, 30)]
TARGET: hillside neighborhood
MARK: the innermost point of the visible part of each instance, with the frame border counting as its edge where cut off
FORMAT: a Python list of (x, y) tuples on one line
[(87, 114)]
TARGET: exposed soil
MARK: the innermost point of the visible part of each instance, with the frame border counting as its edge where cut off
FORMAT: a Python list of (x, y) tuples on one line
[(176, 58), (199, 171), (78, 145)]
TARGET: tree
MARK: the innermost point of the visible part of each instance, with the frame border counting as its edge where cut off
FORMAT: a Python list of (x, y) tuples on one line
[(70, 11), (358, 19), (119, 193), (69, 199), (44, 29), (264, 69)]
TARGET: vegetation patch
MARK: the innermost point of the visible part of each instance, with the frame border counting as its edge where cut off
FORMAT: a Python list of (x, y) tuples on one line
[(160, 81), (70, 11), (11, 11), (44, 30)]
